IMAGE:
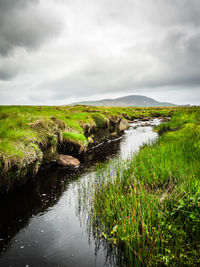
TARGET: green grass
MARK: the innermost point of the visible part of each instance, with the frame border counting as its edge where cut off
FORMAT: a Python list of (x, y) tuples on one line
[(75, 137), (28, 134), (150, 205)]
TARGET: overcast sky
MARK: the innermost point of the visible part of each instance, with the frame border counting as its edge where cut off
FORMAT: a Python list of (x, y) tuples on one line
[(56, 52)]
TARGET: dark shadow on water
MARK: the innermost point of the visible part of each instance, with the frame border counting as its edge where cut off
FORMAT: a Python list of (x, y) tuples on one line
[(38, 204), (44, 191)]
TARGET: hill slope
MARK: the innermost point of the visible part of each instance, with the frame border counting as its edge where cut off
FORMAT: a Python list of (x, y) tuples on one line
[(131, 100)]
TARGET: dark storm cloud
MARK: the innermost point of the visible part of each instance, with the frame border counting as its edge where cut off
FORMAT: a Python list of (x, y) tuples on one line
[(23, 24), (107, 46)]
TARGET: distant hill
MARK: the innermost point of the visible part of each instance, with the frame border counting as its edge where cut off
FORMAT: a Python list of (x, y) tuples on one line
[(127, 101)]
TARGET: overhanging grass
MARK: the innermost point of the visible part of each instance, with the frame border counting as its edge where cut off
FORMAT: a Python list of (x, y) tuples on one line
[(25, 124), (75, 137)]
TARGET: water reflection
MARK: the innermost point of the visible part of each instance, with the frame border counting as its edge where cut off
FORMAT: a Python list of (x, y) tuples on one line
[(39, 225)]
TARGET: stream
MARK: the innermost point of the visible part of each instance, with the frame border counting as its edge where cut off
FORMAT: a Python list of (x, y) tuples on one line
[(40, 223)]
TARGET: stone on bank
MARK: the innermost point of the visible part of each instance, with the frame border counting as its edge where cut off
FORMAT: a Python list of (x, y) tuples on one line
[(68, 161)]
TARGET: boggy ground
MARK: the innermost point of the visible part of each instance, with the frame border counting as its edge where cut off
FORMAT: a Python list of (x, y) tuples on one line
[(35, 135), (150, 205)]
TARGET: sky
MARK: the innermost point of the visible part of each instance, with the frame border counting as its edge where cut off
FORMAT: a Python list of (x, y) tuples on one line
[(55, 52)]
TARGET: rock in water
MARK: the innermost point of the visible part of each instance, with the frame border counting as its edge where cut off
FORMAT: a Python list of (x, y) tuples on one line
[(123, 125), (145, 119), (68, 161)]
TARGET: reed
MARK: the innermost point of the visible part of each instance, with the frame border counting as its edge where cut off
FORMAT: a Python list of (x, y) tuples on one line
[(150, 205)]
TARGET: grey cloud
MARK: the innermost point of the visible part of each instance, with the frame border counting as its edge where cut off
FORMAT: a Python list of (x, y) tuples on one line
[(133, 12), (6, 5), (9, 67), (23, 24), (7, 74), (173, 12), (111, 46), (179, 54), (177, 61)]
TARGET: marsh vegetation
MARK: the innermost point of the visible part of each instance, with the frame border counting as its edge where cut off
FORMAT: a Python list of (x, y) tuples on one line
[(146, 207), (149, 205)]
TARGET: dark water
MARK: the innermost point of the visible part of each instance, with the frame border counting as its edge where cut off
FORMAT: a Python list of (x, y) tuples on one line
[(40, 223)]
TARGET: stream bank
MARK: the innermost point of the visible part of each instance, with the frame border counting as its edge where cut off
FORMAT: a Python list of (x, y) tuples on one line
[(53, 153), (42, 222), (33, 137)]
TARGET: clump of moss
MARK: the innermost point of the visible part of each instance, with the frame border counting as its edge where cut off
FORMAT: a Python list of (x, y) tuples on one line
[(75, 137), (101, 120)]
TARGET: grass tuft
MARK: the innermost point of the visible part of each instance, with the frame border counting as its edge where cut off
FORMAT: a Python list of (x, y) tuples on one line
[(150, 205), (75, 137)]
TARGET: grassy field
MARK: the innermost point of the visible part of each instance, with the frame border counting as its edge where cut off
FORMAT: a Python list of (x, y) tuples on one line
[(150, 205), (31, 135)]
